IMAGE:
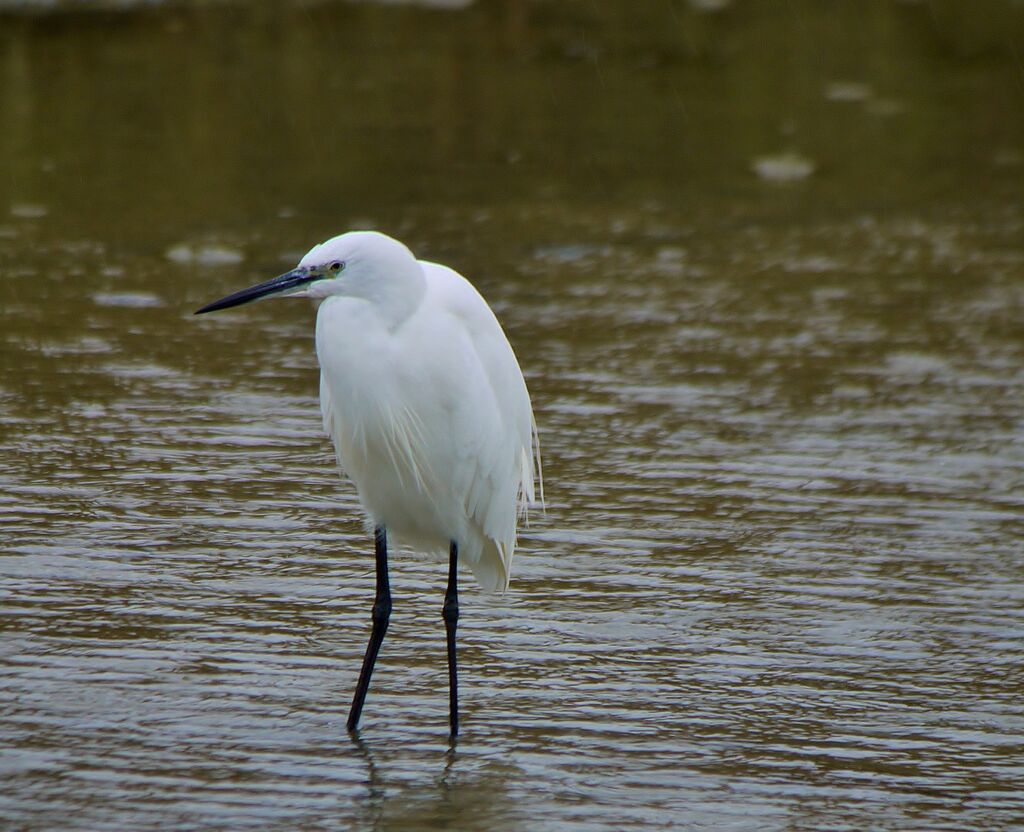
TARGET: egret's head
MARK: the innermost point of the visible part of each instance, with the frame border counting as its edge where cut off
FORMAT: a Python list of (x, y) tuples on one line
[(344, 265)]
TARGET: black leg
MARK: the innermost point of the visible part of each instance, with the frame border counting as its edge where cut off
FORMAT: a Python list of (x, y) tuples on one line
[(381, 615), (450, 612)]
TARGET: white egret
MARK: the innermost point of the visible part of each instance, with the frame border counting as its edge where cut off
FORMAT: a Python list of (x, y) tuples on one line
[(428, 411)]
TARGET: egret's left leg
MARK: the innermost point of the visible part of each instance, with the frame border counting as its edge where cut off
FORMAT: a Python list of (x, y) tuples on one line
[(450, 613)]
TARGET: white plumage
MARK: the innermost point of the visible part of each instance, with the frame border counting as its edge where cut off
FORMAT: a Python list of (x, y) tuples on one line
[(425, 403), (428, 411)]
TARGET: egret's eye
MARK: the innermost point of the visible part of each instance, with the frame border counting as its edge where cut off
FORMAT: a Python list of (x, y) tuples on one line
[(337, 266)]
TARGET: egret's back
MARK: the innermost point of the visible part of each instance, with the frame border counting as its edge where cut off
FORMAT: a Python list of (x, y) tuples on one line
[(432, 420)]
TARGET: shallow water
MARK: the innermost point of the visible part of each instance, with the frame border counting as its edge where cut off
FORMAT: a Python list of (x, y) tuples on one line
[(765, 273)]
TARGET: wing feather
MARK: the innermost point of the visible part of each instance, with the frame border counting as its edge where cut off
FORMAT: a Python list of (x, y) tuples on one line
[(497, 445)]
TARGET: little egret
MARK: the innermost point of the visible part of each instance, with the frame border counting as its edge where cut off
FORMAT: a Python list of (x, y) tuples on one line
[(428, 411)]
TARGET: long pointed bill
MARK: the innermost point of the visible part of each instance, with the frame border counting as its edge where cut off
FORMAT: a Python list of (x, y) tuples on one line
[(276, 285)]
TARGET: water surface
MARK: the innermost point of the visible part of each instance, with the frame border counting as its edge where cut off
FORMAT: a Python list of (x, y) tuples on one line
[(764, 270)]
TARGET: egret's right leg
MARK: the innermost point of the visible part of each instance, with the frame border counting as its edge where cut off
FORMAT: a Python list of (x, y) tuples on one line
[(381, 615), (450, 613)]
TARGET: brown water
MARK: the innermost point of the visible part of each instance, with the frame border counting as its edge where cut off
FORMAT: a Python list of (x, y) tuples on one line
[(764, 267)]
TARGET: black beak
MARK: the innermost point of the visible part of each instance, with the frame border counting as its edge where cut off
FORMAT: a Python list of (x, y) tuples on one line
[(281, 283)]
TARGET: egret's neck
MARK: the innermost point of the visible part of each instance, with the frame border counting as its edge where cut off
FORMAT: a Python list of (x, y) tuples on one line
[(396, 291)]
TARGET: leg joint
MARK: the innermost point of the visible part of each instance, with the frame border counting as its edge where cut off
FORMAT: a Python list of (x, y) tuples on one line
[(450, 610), (381, 611)]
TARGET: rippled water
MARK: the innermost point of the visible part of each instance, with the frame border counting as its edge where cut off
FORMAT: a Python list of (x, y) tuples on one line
[(778, 584)]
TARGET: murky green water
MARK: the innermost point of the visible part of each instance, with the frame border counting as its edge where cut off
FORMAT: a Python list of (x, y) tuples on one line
[(764, 267)]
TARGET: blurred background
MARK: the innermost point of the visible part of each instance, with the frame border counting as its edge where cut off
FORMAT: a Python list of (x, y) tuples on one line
[(763, 266)]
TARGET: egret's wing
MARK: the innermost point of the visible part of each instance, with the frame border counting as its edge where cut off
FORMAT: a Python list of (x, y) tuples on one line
[(501, 369), (493, 419), (484, 476)]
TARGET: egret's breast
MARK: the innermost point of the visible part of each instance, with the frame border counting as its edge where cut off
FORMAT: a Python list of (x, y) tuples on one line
[(369, 398)]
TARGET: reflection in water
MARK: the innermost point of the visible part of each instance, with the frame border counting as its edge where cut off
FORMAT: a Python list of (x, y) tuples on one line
[(778, 581), (373, 802), (459, 797)]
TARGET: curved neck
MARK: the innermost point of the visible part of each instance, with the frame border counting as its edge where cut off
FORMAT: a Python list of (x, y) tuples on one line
[(396, 289)]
